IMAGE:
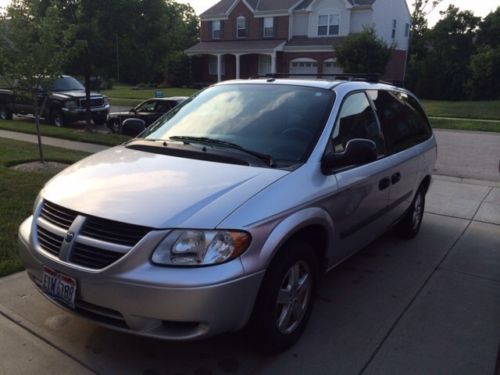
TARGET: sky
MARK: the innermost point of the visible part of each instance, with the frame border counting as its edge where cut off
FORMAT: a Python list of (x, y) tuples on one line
[(478, 7)]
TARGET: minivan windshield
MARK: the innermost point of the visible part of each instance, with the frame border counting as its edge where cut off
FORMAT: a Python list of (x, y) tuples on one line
[(67, 83), (281, 121)]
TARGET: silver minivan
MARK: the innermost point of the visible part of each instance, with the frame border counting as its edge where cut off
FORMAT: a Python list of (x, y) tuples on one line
[(226, 212)]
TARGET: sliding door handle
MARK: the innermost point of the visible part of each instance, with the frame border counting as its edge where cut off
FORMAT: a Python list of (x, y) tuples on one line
[(396, 177), (384, 183)]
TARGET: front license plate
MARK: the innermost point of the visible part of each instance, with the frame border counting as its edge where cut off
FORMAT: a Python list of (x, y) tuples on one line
[(58, 286)]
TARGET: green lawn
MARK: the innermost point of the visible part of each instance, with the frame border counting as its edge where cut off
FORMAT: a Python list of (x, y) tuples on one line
[(65, 133), (464, 124), (126, 96), (18, 191), (486, 110)]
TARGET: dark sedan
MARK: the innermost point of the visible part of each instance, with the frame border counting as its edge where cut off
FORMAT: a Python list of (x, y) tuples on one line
[(149, 111)]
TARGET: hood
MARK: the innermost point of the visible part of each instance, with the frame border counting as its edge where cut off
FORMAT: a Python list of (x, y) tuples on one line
[(76, 94), (157, 191)]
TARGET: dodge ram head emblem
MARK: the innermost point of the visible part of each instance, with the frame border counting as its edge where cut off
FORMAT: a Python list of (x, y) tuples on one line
[(69, 236)]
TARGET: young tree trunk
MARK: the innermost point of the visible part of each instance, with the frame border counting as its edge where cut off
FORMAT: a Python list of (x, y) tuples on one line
[(88, 113), (37, 124)]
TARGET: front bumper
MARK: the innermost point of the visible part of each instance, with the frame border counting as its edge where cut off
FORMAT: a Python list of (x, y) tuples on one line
[(135, 296), (77, 114)]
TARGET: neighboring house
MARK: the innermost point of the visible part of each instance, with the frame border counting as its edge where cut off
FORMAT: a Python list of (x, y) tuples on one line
[(249, 38)]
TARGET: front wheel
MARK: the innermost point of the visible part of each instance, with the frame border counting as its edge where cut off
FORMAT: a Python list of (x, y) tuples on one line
[(286, 299), (409, 226), (114, 125), (57, 118), (5, 114)]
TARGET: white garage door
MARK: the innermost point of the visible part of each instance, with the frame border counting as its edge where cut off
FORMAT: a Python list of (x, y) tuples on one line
[(303, 67), (330, 66)]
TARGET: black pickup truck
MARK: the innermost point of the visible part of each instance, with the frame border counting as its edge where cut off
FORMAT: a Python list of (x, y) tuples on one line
[(62, 103)]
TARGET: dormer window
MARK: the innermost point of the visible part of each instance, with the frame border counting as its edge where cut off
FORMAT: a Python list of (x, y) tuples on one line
[(328, 25), (216, 30), (268, 27), (241, 27)]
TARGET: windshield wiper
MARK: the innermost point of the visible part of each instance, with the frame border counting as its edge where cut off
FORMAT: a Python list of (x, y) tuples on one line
[(212, 141)]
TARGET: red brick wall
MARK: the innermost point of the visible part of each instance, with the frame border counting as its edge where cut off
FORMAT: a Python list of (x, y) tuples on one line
[(395, 70)]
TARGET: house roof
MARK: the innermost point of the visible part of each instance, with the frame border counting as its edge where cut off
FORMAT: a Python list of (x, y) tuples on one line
[(222, 8), (304, 4), (236, 46)]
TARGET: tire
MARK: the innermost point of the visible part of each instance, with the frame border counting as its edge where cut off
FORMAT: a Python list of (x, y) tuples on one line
[(278, 323), (99, 121), (409, 226), (114, 125), (5, 114), (57, 118)]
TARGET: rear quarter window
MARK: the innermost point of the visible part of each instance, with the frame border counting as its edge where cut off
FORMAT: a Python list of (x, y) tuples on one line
[(402, 119)]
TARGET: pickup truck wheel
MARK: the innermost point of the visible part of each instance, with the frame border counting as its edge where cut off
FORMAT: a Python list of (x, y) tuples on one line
[(286, 299), (114, 125), (5, 114), (57, 118), (409, 226)]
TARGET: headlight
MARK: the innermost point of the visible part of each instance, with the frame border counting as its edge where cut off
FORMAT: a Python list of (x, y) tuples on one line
[(71, 104), (200, 247), (105, 101)]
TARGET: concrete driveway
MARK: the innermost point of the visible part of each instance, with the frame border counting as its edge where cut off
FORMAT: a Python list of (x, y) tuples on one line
[(426, 306)]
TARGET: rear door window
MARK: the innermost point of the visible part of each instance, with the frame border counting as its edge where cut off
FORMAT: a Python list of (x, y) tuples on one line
[(403, 121), (356, 120)]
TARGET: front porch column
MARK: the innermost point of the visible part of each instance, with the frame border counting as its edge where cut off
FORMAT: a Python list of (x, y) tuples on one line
[(273, 63), (237, 56), (219, 68)]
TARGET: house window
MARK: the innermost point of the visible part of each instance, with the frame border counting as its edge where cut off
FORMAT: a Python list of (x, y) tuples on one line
[(212, 66), (394, 27), (216, 30), (241, 27), (268, 27), (328, 24), (407, 30), (265, 65)]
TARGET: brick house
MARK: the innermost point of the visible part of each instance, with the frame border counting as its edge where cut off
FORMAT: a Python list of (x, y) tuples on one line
[(248, 38)]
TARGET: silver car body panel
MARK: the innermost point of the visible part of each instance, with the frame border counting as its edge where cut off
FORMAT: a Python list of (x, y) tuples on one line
[(164, 193)]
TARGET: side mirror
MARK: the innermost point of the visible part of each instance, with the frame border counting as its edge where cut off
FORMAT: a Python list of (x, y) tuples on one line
[(133, 110), (357, 152), (133, 127)]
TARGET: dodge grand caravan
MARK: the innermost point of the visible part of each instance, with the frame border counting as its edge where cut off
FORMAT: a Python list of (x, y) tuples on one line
[(226, 211)]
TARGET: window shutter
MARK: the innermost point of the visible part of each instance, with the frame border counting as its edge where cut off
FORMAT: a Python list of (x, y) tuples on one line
[(222, 30), (247, 32), (261, 28), (275, 27), (211, 35)]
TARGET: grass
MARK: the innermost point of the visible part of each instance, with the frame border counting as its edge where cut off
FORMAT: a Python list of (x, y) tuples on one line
[(18, 191), (465, 124), (485, 110), (65, 133), (126, 96)]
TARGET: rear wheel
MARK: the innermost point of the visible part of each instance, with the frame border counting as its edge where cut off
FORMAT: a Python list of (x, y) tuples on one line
[(114, 125), (409, 226), (5, 114), (57, 118), (286, 298)]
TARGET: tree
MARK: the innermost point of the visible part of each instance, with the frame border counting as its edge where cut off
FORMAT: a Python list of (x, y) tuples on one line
[(34, 45), (363, 52), (484, 82), (489, 30)]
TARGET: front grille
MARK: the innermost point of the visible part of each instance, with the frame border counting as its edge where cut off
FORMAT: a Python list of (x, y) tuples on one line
[(57, 215), (92, 257), (94, 102), (49, 241), (51, 237), (113, 231)]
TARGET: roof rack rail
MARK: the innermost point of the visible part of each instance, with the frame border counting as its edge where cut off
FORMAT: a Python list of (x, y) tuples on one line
[(365, 77)]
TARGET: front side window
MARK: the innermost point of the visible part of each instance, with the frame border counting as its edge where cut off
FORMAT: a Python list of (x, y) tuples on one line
[(283, 121), (328, 25), (148, 106), (403, 121), (216, 30), (268, 27), (241, 27), (356, 120)]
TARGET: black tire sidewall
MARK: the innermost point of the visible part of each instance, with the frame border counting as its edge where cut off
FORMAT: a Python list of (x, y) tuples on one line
[(264, 331), (405, 228)]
